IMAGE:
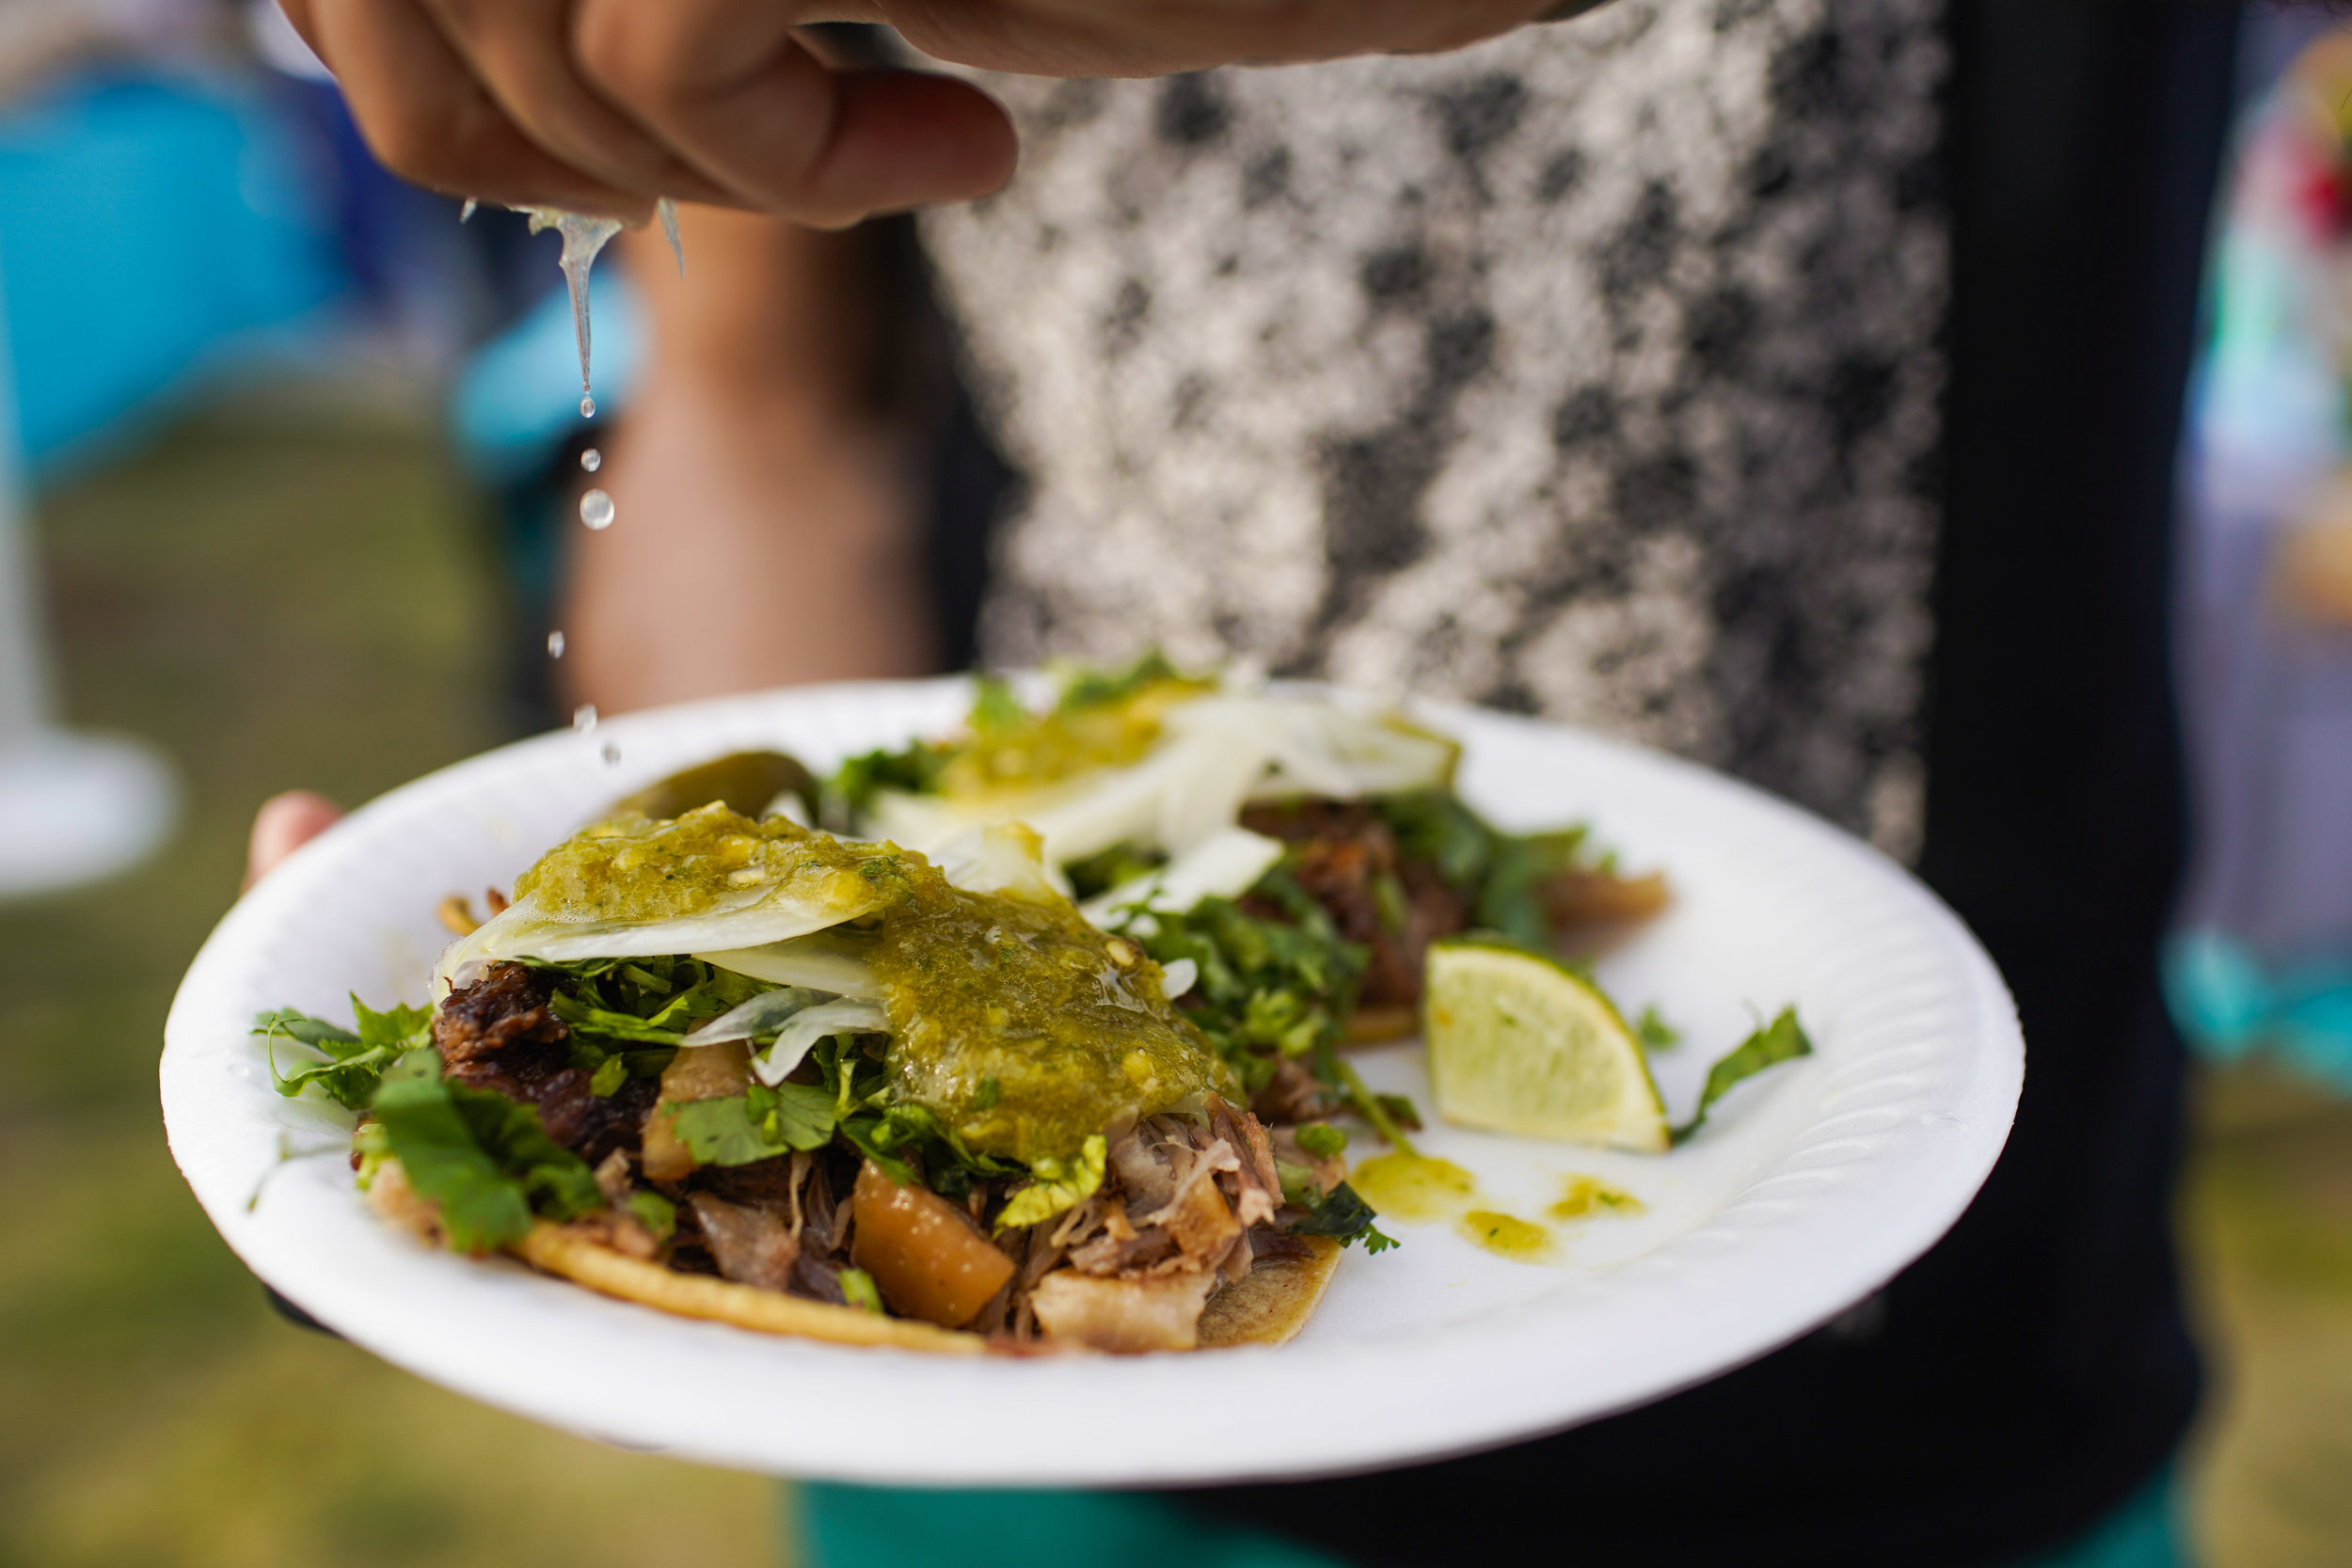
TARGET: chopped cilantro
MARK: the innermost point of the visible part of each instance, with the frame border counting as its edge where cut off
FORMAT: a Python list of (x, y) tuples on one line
[(558, 1182), (1272, 985), (862, 1101), (1321, 1139), (481, 1158), (644, 1002), (1109, 868), (1340, 1213), (370, 1144), (859, 1290), (353, 1062), (720, 1131), (1390, 1114), (1433, 826), (1503, 874), (995, 707), (1654, 1032), (1511, 898), (1781, 1040), (655, 1212), (851, 790), (799, 1116), (609, 1075), (1390, 902), (1083, 688), (758, 1124), (1059, 1185), (1284, 983)]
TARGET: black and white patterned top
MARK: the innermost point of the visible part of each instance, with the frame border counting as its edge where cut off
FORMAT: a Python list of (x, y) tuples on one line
[(1592, 372)]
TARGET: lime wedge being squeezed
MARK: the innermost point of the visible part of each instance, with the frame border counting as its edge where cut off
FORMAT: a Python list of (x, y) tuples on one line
[(1521, 1043)]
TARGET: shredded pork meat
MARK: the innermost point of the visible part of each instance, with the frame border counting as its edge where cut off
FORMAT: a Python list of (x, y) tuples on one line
[(1125, 1317), (1346, 858), (500, 1033), (1186, 1203), (1179, 1198), (752, 1247), (1293, 1093)]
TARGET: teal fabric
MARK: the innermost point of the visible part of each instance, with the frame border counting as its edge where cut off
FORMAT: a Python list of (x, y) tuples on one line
[(2229, 1005), (2150, 1532), (517, 399), (870, 1527)]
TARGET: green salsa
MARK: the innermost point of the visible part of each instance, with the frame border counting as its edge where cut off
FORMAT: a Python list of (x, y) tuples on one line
[(1022, 1027), (1507, 1236), (1582, 1196), (638, 869), (1020, 750), (1414, 1187)]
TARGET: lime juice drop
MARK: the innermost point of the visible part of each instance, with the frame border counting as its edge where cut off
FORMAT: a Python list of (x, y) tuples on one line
[(583, 236), (666, 210), (595, 510), (584, 718), (556, 644), (591, 460)]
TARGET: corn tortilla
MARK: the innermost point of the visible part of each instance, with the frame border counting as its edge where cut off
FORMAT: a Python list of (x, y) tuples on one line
[(1269, 1306), (1272, 1301), (558, 1251)]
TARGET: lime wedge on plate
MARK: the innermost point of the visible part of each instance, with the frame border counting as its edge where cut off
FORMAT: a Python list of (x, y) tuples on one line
[(1521, 1043)]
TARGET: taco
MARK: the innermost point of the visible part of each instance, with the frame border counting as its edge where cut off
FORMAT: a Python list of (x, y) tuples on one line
[(1301, 852), (744, 1069)]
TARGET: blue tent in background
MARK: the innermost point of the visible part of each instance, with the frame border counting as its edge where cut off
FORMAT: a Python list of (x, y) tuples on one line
[(153, 230)]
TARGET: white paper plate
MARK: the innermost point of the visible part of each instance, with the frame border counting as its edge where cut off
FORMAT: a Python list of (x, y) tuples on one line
[(1809, 1189)]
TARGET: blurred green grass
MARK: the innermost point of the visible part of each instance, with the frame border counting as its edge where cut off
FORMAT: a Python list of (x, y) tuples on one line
[(305, 604), (274, 607), (2267, 1221)]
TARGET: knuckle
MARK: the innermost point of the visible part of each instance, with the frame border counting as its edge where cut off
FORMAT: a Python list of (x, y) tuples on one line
[(477, 141), (449, 152), (617, 49), (412, 147), (468, 18)]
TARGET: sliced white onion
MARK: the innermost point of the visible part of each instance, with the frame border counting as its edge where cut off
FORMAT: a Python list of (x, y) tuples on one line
[(1003, 857), (1178, 978), (803, 1030), (789, 805), (753, 917), (1226, 864), (922, 822), (761, 1015), (1216, 755), (829, 961), (1317, 747), (1222, 768)]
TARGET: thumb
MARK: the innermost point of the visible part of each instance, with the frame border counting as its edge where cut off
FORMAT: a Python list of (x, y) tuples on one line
[(284, 824)]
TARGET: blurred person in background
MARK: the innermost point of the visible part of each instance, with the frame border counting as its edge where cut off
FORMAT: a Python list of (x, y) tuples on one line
[(2263, 962), (1792, 383)]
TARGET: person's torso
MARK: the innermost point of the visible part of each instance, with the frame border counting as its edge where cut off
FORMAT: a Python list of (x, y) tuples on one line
[(1591, 371)]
